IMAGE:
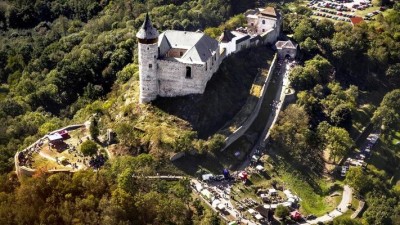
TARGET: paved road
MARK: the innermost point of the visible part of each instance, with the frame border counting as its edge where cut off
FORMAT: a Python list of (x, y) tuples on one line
[(280, 97)]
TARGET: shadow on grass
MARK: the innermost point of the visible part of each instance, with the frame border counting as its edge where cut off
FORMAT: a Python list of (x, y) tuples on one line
[(199, 164)]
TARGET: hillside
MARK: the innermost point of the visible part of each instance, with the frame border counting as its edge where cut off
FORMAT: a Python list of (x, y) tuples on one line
[(67, 61)]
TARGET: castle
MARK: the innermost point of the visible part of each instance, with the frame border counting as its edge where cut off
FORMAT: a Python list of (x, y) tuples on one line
[(178, 63)]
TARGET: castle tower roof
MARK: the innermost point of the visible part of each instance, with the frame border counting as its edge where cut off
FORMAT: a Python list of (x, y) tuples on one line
[(147, 31)]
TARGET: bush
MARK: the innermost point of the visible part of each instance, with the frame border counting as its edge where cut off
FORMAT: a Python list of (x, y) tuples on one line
[(89, 148), (282, 211)]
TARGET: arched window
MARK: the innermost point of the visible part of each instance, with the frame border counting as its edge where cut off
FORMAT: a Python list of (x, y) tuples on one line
[(188, 72), (150, 66), (263, 22)]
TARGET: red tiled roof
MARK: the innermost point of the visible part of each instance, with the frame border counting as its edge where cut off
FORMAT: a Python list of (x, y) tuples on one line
[(356, 20)]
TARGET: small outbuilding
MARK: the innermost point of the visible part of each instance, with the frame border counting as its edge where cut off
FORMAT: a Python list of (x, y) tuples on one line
[(55, 138), (286, 49)]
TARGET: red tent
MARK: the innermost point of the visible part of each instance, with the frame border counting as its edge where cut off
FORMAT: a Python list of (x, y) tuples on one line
[(64, 134), (243, 175), (295, 215)]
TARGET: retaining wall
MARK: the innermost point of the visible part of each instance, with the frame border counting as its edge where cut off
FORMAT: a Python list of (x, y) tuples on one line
[(245, 126)]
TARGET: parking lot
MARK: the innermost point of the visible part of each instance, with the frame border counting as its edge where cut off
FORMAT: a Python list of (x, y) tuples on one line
[(365, 153), (343, 10)]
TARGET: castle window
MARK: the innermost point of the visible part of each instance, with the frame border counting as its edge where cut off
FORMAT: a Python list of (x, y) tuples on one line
[(180, 54), (188, 72), (150, 66), (148, 48), (252, 24), (206, 66), (263, 30), (263, 22)]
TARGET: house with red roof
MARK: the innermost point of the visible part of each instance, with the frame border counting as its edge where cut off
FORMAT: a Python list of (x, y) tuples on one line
[(356, 20)]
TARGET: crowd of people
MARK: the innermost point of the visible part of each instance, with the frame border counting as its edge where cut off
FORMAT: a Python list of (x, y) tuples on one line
[(25, 157)]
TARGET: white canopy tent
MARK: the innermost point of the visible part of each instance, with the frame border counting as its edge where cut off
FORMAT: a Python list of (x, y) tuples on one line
[(221, 206), (206, 177), (207, 194), (287, 204), (251, 211), (199, 187), (215, 203), (258, 216), (259, 168)]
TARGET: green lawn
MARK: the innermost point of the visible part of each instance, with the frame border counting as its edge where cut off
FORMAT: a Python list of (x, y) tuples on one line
[(362, 13), (313, 190)]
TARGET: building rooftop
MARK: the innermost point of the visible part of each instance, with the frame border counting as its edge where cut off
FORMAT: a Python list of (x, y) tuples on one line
[(147, 31), (269, 11), (199, 46), (285, 44), (356, 20)]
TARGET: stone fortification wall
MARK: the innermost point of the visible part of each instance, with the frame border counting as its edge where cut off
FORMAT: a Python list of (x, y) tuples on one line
[(245, 126), (22, 170), (270, 36), (173, 81)]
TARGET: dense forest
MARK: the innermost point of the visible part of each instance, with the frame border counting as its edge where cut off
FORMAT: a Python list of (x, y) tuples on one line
[(60, 60), (346, 70)]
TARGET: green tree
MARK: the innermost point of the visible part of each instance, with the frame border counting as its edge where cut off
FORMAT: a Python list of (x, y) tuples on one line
[(358, 179), (387, 115), (281, 211), (309, 45), (345, 221), (89, 148), (215, 143), (94, 128), (335, 140), (304, 29)]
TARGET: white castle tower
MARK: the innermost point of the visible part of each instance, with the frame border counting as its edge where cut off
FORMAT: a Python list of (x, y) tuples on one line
[(148, 54)]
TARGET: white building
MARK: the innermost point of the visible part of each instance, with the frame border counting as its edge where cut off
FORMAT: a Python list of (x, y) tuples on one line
[(233, 41), (265, 22)]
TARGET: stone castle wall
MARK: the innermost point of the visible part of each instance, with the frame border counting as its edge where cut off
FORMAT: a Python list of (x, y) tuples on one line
[(173, 81), (246, 125)]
